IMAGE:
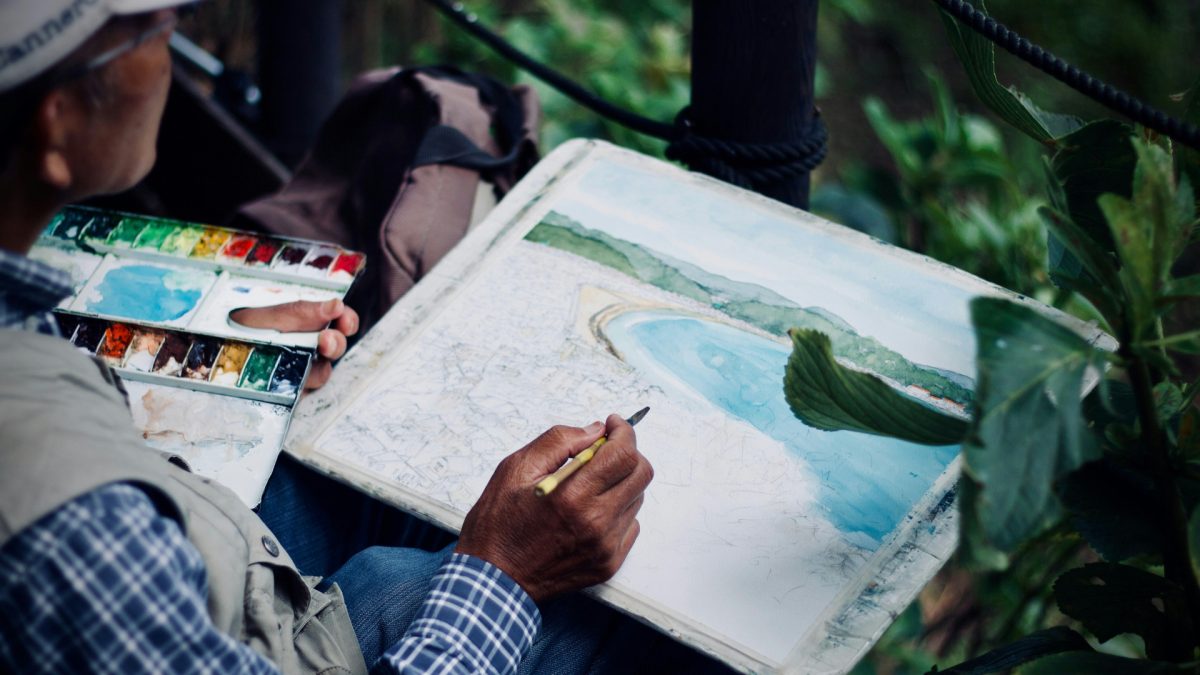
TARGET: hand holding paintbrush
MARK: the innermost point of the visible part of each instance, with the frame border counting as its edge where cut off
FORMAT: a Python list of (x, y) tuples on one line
[(581, 533), (546, 485)]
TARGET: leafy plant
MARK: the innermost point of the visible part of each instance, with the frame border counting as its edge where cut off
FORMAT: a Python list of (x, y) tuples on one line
[(1117, 468)]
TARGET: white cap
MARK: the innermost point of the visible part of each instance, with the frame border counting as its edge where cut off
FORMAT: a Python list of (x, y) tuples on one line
[(37, 34)]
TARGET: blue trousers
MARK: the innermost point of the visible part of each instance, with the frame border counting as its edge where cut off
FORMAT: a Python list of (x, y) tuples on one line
[(383, 560)]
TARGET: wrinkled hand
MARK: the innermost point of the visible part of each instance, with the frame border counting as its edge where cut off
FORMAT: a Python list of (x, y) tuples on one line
[(573, 537), (303, 316)]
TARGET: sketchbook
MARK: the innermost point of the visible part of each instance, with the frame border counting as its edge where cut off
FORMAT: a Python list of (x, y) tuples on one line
[(607, 281)]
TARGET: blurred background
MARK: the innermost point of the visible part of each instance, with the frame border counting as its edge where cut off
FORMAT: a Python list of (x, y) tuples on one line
[(913, 159)]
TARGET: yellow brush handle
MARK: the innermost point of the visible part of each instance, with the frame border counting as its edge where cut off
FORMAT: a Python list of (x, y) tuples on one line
[(546, 485)]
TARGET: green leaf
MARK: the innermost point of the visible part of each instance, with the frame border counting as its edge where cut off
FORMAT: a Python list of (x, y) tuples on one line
[(826, 395), (1114, 509), (1078, 262), (978, 57), (1111, 599), (1097, 159), (1036, 645), (1181, 289), (1095, 663), (1029, 429)]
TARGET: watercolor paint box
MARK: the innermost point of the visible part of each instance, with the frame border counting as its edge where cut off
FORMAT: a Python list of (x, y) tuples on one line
[(153, 299), (206, 247)]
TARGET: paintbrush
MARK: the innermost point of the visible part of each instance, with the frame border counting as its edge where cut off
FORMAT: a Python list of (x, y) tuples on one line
[(546, 485)]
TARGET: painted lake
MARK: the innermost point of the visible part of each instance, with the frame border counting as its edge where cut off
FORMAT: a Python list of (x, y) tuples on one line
[(868, 483)]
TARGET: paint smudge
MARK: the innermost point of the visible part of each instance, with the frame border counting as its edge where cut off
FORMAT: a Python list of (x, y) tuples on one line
[(182, 241), (146, 292), (263, 253), (236, 250), (210, 242), (127, 232), (290, 257), (346, 266), (156, 234), (259, 368), (144, 349), (88, 334), (289, 373), (229, 364), (100, 227), (201, 358), (116, 342), (172, 355), (200, 419)]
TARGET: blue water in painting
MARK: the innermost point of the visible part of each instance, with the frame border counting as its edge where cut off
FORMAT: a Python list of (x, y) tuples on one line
[(147, 293), (868, 483)]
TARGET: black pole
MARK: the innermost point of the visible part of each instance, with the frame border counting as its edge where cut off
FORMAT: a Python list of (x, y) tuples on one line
[(753, 65), (299, 71)]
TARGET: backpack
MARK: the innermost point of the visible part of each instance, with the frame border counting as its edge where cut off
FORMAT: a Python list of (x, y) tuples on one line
[(396, 172)]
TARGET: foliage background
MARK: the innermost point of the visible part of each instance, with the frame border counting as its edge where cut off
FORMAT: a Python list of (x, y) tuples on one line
[(913, 159)]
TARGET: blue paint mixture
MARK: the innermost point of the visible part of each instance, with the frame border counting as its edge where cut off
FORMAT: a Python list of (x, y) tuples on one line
[(868, 483), (149, 293)]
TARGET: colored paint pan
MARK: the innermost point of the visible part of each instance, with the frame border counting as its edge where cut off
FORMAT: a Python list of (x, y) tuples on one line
[(100, 227), (127, 232), (289, 373), (144, 349), (346, 267), (259, 368), (67, 323), (70, 223), (290, 258), (237, 248), (263, 253), (210, 243), (172, 355), (318, 261), (230, 363), (88, 334), (182, 241), (156, 234), (200, 358), (116, 342)]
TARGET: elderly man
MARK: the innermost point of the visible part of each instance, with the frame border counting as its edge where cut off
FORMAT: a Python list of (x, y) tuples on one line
[(113, 559)]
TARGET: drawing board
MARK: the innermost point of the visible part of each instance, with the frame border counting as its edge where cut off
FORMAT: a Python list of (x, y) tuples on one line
[(607, 281)]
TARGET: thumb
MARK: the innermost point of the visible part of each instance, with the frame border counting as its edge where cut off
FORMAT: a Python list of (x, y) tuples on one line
[(290, 317), (558, 444)]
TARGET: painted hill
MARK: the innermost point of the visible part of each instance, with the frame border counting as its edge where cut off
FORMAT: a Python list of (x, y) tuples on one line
[(751, 303)]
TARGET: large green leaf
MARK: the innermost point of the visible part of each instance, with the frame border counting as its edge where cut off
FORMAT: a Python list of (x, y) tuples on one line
[(1028, 429), (1115, 509), (1111, 599), (829, 396), (1095, 663), (1097, 159), (1036, 645), (978, 57)]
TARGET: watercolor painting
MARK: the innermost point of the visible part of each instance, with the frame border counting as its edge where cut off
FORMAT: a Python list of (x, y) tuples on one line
[(143, 291), (608, 281)]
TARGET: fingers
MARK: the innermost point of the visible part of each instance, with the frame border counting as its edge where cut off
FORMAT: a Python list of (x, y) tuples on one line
[(331, 344), (318, 374), (296, 317), (558, 444), (618, 467)]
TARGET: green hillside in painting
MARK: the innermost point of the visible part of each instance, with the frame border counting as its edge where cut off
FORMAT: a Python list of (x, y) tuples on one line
[(751, 303)]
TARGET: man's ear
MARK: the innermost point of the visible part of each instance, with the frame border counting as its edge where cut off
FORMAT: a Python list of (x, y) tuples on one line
[(51, 132)]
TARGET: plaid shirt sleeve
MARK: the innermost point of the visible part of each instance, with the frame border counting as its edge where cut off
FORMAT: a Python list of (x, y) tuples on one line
[(476, 619), (106, 585)]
